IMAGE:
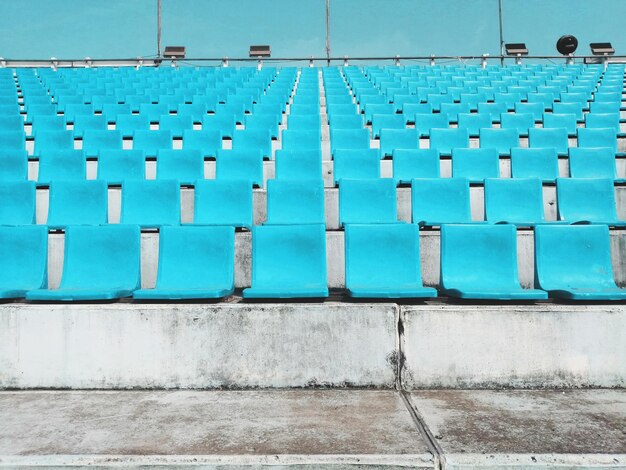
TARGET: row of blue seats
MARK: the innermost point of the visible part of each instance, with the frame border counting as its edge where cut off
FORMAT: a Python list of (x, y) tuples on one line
[(382, 261), (434, 202)]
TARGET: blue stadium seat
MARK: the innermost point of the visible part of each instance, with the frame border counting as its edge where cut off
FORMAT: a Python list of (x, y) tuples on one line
[(590, 162), (89, 122), (223, 202), (415, 163), (113, 111), (395, 139), (568, 121), (474, 122), (598, 138), (356, 164), (587, 201), (23, 260), (184, 166), (424, 123), (153, 110), (72, 111), (542, 163), (440, 201), (304, 123), (194, 263), (604, 108), (240, 165), (536, 109), (116, 166), (48, 123), (288, 261), (13, 165), (574, 262), (549, 138), (480, 262), (475, 164), (516, 201), (208, 142), (452, 110), (603, 121), (295, 202), (301, 140), (383, 261), (343, 121), (12, 123), (495, 110), (64, 165), (17, 202), (386, 121), (253, 140), (502, 140), (371, 109), (264, 122), (569, 108), (177, 125), (298, 164), (128, 124), (150, 204), (150, 142), (77, 203), (52, 141), (196, 111), (355, 139), (521, 122), (15, 140), (100, 263), (367, 201), (445, 140), (95, 142), (224, 123)]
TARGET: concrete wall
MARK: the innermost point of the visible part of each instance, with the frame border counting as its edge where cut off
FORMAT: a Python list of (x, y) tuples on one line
[(242, 345)]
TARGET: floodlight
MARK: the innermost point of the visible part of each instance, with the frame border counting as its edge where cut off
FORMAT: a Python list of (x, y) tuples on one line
[(516, 48), (601, 48), (174, 52), (260, 51)]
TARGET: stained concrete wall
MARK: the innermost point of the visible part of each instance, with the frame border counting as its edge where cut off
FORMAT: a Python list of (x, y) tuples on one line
[(198, 346), (243, 345), (491, 346)]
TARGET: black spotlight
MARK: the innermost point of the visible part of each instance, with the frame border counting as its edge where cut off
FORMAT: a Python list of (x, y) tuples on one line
[(517, 48), (567, 44), (601, 48)]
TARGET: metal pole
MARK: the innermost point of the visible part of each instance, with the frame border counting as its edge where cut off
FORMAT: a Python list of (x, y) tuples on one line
[(158, 28), (327, 32), (501, 32)]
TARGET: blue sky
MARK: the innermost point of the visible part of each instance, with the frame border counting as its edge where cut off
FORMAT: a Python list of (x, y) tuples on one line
[(216, 28)]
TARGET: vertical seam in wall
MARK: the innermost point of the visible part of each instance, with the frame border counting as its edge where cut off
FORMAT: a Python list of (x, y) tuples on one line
[(400, 348)]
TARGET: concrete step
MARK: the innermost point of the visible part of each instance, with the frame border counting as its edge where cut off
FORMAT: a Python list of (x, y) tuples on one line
[(237, 344), (434, 429)]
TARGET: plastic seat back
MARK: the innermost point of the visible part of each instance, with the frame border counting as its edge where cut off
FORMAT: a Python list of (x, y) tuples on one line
[(240, 165), (515, 201), (128, 124), (150, 142), (573, 258), (586, 200), (343, 121), (367, 201), (89, 122), (95, 141), (295, 202), (356, 164), (440, 201), (540, 163), (208, 142), (223, 202), (503, 140), (597, 138), (17, 202), (175, 124), (395, 139), (48, 141), (556, 138), (386, 121), (592, 163), (13, 165), (415, 163), (425, 123), (301, 140), (475, 164), (445, 140), (298, 164), (77, 203), (384, 261), (115, 166), (253, 140), (23, 260), (185, 166), (150, 203), (64, 165), (568, 121), (474, 122), (197, 258), (101, 258), (288, 261)]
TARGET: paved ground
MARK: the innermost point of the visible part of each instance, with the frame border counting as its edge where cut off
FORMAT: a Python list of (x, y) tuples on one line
[(315, 428)]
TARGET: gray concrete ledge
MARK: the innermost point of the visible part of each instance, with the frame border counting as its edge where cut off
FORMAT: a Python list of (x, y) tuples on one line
[(520, 346), (148, 346), (335, 429), (526, 429)]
